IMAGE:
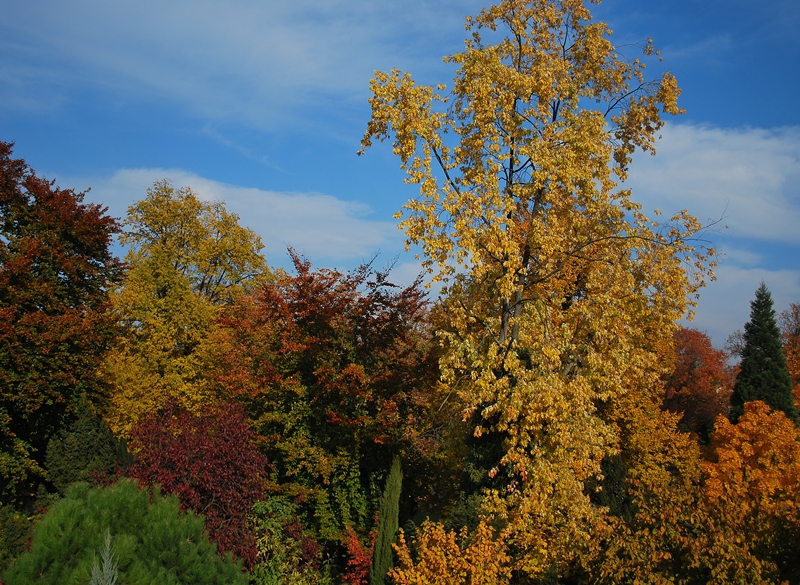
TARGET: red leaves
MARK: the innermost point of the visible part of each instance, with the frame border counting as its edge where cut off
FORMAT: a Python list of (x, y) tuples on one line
[(55, 273), (700, 387), (359, 558), (211, 464)]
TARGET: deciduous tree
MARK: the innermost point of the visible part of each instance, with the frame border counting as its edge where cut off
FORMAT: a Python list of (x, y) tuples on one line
[(700, 386), (187, 259), (452, 558), (763, 374), (210, 462), (55, 329), (790, 329), (753, 485), (561, 296), (337, 373)]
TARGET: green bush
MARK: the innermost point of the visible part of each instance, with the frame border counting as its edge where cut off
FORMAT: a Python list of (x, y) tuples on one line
[(287, 553), (151, 541), (15, 531)]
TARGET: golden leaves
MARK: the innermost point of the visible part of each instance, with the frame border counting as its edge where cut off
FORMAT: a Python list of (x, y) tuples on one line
[(560, 296), (449, 558)]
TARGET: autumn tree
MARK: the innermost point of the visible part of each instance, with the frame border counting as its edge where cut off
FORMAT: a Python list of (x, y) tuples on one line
[(790, 329), (210, 462), (753, 486), (452, 557), (336, 372), (700, 387), (187, 259), (763, 374), (55, 329), (561, 296)]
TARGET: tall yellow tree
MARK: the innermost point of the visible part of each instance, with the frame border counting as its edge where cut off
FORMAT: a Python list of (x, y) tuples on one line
[(561, 296), (187, 259)]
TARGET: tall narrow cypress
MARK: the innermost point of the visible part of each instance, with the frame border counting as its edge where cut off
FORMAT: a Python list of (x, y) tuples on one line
[(763, 375), (388, 523)]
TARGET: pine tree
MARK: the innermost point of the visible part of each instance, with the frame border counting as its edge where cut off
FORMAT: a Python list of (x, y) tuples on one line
[(388, 524), (763, 375)]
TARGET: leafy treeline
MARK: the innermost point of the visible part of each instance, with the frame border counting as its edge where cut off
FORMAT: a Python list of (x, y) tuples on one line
[(545, 420)]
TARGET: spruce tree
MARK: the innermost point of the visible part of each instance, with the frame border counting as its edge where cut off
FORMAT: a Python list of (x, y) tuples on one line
[(763, 374), (388, 523)]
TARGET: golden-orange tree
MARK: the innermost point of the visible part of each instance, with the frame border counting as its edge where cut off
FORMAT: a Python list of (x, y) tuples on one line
[(561, 296), (187, 259), (790, 328), (752, 485)]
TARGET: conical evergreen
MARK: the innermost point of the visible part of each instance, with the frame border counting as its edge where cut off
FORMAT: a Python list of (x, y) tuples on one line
[(388, 523), (763, 375)]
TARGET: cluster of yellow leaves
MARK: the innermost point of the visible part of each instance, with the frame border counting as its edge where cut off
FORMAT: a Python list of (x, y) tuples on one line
[(734, 519), (449, 558), (560, 295), (187, 259)]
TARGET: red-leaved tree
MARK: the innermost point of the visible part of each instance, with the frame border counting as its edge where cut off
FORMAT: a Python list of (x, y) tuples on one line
[(210, 463), (55, 272), (701, 384), (337, 372)]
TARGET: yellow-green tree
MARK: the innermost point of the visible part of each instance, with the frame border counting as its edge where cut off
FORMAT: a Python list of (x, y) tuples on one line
[(561, 296), (187, 259)]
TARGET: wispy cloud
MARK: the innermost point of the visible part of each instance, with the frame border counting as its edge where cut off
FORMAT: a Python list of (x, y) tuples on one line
[(244, 60), (322, 227), (751, 179), (725, 304), (749, 176)]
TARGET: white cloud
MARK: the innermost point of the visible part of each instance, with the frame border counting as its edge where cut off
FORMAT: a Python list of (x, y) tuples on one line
[(243, 60), (725, 304), (321, 227), (751, 176)]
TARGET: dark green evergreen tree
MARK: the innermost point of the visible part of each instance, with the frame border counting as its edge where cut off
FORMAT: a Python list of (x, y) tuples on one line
[(87, 451), (150, 539), (763, 374), (388, 523)]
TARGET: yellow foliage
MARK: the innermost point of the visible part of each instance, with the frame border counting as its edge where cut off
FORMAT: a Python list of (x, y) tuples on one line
[(449, 558), (187, 259), (560, 295)]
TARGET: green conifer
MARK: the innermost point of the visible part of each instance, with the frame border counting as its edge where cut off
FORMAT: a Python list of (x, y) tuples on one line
[(86, 451), (388, 523), (763, 375), (153, 542)]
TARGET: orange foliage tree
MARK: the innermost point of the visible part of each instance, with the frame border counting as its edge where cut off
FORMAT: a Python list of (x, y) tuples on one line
[(449, 558), (753, 488), (700, 386), (790, 327)]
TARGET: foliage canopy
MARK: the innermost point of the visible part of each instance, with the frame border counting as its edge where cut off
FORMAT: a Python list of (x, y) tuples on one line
[(55, 273), (561, 297)]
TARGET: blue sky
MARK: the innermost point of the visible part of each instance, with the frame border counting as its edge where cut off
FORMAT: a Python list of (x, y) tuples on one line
[(263, 104)]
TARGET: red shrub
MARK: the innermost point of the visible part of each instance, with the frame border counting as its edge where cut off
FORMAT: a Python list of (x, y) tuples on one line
[(209, 461)]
